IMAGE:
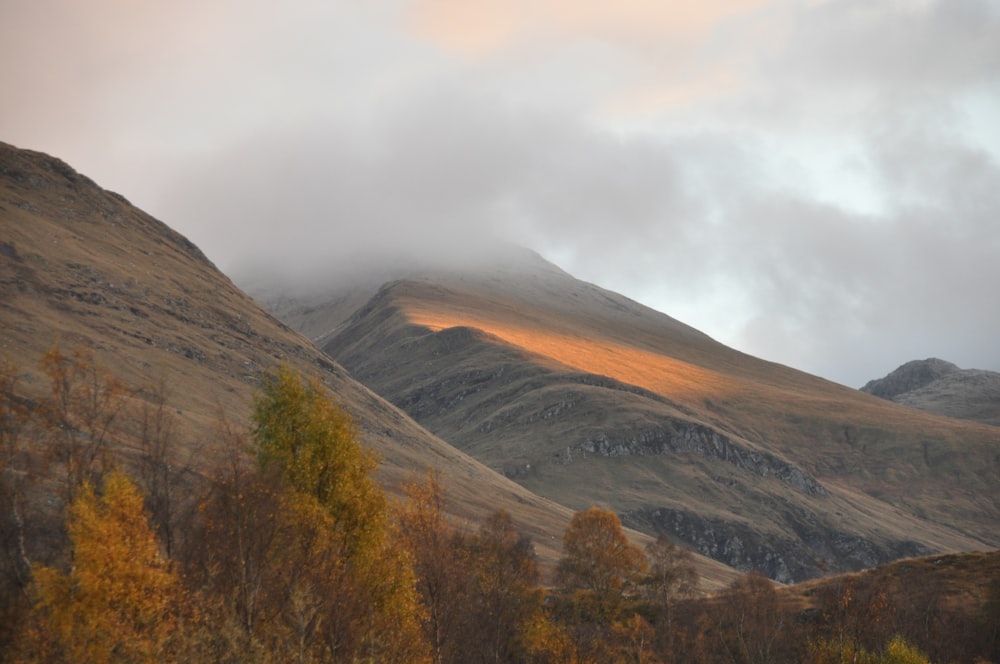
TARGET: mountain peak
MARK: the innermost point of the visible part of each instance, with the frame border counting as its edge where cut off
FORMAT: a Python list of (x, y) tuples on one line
[(940, 387), (586, 397), (908, 377)]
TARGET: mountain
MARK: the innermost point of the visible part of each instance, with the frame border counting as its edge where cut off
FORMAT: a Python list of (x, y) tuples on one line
[(534, 391), (82, 267), (940, 387), (586, 397)]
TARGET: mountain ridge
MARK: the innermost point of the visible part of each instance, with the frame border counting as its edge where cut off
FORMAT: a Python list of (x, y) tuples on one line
[(541, 376), (80, 266), (678, 431)]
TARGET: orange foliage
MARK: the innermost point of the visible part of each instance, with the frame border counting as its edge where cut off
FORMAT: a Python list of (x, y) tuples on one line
[(120, 599), (598, 557)]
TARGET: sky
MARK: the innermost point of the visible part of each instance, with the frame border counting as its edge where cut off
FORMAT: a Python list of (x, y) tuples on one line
[(814, 182)]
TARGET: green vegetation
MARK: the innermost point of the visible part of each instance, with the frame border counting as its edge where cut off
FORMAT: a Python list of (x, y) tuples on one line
[(289, 551)]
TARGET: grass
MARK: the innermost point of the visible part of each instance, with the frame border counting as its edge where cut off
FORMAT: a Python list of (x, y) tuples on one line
[(484, 363), (82, 267)]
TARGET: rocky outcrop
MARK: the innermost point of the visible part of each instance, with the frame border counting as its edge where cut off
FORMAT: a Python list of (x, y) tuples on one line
[(908, 377), (686, 437), (817, 550)]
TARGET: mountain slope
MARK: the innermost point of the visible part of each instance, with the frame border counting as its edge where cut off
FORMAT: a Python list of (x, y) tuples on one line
[(940, 387), (82, 267), (586, 397)]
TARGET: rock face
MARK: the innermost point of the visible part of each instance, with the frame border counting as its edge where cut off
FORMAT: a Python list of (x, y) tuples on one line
[(940, 387), (686, 438), (813, 544)]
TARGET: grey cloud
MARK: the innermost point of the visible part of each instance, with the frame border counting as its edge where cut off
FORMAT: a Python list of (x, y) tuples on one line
[(300, 138), (428, 181), (854, 296), (445, 173), (838, 293), (903, 51)]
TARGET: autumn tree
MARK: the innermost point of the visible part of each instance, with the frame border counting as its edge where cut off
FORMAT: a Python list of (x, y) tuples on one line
[(229, 554), (837, 651), (599, 568), (312, 446), (598, 558), (634, 641), (351, 572), (81, 409), (159, 466), (858, 611), (443, 575), (120, 600), (480, 590), (896, 651), (298, 554), (750, 626), (506, 597), (671, 577), (549, 642), (899, 651)]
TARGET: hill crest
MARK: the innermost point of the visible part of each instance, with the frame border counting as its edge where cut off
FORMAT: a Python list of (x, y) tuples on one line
[(586, 397), (942, 388), (80, 266)]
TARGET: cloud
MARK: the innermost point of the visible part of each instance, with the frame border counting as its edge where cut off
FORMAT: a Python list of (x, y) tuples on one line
[(894, 48), (813, 182), (492, 25), (446, 174)]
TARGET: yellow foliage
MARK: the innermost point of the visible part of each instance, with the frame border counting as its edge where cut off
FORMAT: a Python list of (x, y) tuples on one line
[(351, 584), (549, 643), (312, 445), (897, 651), (120, 599), (900, 652)]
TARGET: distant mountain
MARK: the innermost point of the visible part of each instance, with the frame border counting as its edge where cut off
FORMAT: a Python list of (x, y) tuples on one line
[(586, 397), (80, 266), (909, 377), (940, 387)]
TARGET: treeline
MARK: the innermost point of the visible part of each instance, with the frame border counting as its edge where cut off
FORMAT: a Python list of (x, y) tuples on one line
[(289, 551)]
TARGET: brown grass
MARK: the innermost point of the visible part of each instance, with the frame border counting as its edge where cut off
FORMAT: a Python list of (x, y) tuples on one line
[(82, 267), (893, 472)]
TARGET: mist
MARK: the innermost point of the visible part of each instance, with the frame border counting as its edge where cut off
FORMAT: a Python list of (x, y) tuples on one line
[(814, 182)]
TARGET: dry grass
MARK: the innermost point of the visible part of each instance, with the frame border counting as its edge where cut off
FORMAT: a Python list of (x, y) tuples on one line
[(892, 474), (82, 267), (958, 578), (760, 401)]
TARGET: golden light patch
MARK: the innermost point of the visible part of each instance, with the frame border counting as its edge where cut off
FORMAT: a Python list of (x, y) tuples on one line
[(656, 373)]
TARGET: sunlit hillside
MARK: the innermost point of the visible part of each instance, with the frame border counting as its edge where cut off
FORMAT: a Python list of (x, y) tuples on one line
[(587, 397)]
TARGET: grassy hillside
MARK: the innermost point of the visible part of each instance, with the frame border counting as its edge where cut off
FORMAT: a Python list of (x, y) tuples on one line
[(584, 396), (81, 267)]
